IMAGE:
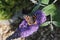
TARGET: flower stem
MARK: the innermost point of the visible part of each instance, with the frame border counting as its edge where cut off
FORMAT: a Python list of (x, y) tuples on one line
[(51, 26)]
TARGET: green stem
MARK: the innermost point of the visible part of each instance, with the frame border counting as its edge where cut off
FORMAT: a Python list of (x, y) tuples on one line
[(54, 1), (51, 26)]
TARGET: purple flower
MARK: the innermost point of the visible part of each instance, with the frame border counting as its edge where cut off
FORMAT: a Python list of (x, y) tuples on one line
[(41, 17), (27, 30)]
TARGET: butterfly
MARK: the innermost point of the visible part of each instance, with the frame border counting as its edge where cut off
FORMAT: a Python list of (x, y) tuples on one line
[(30, 19)]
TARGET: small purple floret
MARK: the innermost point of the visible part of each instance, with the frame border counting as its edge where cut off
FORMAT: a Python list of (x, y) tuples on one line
[(41, 17), (27, 30)]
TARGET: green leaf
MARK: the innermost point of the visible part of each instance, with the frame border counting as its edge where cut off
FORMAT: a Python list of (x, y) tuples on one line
[(54, 11), (56, 17), (45, 24), (5, 14), (50, 9), (44, 1), (35, 8), (57, 24)]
